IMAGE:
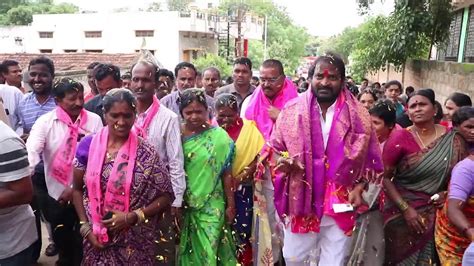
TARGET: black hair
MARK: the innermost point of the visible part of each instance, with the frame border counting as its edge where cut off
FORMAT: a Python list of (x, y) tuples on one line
[(192, 95), (460, 99), (364, 79), (44, 61), (373, 84), (311, 70), (165, 73), (409, 90), (273, 63), (227, 100), (427, 93), (8, 63), (63, 86), (439, 112), (333, 59), (104, 70), (184, 65), (126, 75), (93, 65), (255, 78), (394, 82), (212, 69), (386, 111), (367, 92), (229, 80), (243, 61), (462, 114), (118, 95)]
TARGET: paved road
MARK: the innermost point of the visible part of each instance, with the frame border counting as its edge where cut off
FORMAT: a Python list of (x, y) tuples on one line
[(44, 260)]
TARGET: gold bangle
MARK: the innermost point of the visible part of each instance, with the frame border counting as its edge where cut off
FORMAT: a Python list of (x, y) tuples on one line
[(402, 205), (140, 215)]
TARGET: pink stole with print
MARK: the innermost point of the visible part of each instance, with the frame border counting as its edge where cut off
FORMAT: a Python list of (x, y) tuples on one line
[(142, 130), (117, 192), (61, 166)]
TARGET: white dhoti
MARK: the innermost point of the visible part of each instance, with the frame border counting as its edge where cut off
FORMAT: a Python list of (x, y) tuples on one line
[(329, 247)]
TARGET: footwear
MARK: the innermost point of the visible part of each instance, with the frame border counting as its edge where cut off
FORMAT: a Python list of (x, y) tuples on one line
[(51, 250)]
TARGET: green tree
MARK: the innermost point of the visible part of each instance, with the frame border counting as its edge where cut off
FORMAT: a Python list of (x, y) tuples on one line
[(20, 15), (255, 53), (213, 60), (154, 7), (285, 40), (342, 43), (6, 5), (178, 5), (63, 8)]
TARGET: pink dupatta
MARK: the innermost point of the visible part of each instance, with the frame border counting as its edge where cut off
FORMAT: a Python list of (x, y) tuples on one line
[(117, 192), (142, 130), (257, 109), (61, 167)]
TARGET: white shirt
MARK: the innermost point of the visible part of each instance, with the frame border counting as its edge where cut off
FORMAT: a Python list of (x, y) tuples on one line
[(245, 105), (164, 134), (327, 123), (12, 97), (46, 136)]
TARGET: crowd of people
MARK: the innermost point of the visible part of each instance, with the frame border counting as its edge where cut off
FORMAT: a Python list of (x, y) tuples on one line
[(154, 167)]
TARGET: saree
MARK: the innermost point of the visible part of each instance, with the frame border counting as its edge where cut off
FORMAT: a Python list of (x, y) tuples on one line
[(418, 176), (248, 145), (450, 242), (136, 245), (205, 238)]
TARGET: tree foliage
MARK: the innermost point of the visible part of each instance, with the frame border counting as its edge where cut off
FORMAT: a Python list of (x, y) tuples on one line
[(408, 32), (154, 7), (213, 60), (342, 43), (20, 12), (285, 40), (178, 5)]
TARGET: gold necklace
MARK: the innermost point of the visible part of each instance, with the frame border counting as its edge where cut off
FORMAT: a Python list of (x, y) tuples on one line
[(421, 141)]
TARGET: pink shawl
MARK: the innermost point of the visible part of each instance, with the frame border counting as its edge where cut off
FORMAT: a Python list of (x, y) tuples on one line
[(352, 151), (61, 166), (142, 130), (117, 192), (257, 109)]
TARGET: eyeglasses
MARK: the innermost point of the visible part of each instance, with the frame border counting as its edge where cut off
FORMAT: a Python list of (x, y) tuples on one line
[(269, 80)]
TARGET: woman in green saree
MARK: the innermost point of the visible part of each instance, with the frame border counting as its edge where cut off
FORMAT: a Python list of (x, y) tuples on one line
[(206, 237), (418, 162)]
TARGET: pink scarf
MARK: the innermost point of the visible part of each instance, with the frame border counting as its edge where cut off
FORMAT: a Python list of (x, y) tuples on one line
[(61, 166), (259, 104), (117, 192), (142, 130), (352, 151)]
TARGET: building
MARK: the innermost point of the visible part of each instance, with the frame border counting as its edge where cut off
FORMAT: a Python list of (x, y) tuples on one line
[(171, 36)]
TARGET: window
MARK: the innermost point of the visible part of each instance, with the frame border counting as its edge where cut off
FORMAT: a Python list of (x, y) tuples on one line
[(46, 51), (93, 51), (144, 33), (93, 34), (70, 50), (46, 34)]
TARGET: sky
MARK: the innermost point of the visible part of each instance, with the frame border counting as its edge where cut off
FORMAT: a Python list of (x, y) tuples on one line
[(320, 17)]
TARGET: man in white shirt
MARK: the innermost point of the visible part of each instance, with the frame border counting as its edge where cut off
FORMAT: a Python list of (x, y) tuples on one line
[(11, 72), (160, 127), (326, 148), (53, 139), (12, 97), (17, 221)]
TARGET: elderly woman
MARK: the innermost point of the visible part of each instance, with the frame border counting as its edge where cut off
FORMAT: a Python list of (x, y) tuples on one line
[(209, 199), (454, 224), (418, 163), (120, 188), (248, 144)]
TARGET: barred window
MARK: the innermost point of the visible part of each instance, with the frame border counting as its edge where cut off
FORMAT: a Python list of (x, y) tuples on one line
[(144, 33), (93, 34)]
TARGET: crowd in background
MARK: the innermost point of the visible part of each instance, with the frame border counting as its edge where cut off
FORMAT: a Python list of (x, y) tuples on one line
[(157, 167)]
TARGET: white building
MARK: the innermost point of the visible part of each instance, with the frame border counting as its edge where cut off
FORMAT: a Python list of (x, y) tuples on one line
[(172, 36)]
